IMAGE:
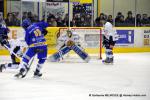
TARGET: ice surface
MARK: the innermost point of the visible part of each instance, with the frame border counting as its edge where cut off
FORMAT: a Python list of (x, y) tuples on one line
[(73, 79)]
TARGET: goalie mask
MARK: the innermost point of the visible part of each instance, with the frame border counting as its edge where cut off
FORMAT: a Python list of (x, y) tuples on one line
[(69, 33)]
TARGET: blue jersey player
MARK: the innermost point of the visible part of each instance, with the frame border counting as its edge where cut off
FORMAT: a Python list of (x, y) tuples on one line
[(36, 45), (43, 25), (4, 35)]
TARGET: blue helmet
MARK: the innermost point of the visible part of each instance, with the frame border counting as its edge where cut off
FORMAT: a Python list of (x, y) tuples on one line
[(26, 23), (2, 25)]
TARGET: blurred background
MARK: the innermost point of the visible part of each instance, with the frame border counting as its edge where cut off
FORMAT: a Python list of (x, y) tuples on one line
[(77, 13)]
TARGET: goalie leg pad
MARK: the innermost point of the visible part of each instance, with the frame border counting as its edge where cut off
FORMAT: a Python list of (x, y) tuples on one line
[(81, 53), (59, 54)]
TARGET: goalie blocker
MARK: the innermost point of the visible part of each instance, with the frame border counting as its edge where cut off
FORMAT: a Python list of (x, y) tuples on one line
[(56, 57)]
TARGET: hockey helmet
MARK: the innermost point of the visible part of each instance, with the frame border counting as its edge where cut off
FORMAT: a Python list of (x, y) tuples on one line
[(26, 23), (2, 25), (69, 33)]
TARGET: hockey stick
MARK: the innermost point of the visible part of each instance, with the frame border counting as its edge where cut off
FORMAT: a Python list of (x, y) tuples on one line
[(61, 56), (20, 75), (31, 62), (12, 52)]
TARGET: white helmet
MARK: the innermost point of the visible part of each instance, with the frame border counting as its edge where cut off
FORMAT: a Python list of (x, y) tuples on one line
[(108, 27)]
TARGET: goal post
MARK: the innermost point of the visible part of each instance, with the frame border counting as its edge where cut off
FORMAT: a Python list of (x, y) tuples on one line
[(90, 39)]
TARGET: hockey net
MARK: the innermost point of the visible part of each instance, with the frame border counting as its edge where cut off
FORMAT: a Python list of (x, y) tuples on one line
[(90, 39)]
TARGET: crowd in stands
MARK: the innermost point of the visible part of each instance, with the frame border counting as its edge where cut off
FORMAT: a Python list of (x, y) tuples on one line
[(81, 20), (85, 20), (121, 21), (77, 21)]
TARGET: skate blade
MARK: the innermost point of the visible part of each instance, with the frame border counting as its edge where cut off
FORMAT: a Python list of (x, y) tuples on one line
[(19, 76), (107, 63), (37, 77)]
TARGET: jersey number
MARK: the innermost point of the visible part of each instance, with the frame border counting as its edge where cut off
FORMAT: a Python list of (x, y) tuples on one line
[(37, 32)]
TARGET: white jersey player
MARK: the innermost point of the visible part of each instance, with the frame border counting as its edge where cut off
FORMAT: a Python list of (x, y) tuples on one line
[(69, 36), (109, 39), (17, 46), (67, 42)]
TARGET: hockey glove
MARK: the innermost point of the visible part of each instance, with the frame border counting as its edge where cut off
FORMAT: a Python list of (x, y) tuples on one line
[(45, 32), (4, 42), (70, 43)]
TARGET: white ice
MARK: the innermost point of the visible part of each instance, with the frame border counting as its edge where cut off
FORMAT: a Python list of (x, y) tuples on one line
[(73, 79)]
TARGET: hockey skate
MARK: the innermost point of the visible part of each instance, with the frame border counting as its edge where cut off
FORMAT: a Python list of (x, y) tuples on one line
[(112, 60), (37, 74), (22, 73), (107, 61), (2, 67)]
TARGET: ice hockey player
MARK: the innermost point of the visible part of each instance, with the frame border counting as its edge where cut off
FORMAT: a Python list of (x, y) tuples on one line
[(18, 47), (4, 42), (66, 43), (4, 35), (109, 39), (36, 45)]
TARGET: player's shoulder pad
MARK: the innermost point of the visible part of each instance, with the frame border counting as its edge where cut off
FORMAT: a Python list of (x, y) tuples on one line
[(31, 28), (42, 24)]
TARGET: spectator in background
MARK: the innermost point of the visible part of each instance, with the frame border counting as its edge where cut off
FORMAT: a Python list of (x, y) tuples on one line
[(9, 20), (49, 16), (98, 19), (25, 15), (145, 21), (66, 20), (73, 23), (52, 21), (15, 19), (120, 22), (105, 17), (2, 21), (77, 19), (138, 20), (110, 19), (117, 19), (35, 18), (59, 22), (130, 20), (30, 16), (88, 20), (82, 22)]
